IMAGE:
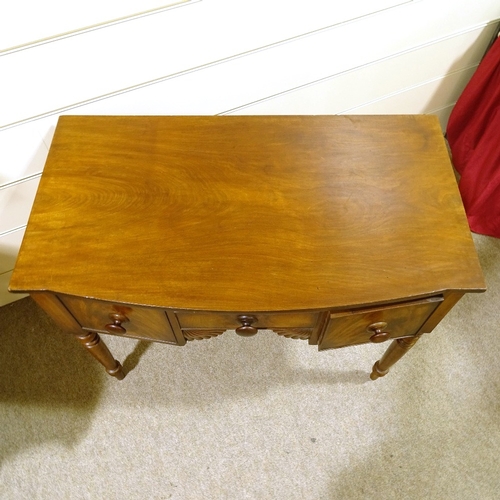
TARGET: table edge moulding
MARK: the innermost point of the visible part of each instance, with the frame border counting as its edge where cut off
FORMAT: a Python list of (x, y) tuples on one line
[(337, 230)]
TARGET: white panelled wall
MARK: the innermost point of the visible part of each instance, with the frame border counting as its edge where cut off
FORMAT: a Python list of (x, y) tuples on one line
[(219, 57)]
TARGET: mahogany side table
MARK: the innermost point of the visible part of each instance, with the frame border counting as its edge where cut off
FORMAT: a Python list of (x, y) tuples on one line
[(338, 230)]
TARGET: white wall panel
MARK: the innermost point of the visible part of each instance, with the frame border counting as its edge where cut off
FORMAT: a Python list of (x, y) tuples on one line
[(122, 56), (9, 247), (358, 87), (223, 87), (15, 204), (419, 99), (27, 21), (22, 152)]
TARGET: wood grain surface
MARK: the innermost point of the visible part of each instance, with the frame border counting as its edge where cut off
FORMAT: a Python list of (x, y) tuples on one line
[(248, 213)]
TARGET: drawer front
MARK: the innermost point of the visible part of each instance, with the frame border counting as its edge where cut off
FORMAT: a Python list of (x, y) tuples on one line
[(204, 325), (119, 319), (231, 321), (377, 324)]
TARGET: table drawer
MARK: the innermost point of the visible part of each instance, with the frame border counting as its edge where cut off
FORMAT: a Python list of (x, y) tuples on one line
[(377, 324), (203, 325), (231, 321), (146, 323)]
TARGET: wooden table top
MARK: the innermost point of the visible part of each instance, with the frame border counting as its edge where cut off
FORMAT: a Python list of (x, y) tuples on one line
[(248, 213)]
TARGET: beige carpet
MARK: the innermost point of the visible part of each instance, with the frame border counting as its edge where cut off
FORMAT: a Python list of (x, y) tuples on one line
[(253, 418)]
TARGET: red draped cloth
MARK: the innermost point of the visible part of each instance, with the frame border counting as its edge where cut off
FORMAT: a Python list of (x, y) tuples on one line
[(473, 133)]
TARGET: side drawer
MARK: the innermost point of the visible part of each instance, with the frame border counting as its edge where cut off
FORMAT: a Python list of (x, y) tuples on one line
[(125, 320), (377, 324)]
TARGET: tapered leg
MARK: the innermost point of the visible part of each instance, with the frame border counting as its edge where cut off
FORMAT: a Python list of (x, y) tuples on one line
[(395, 351), (94, 344)]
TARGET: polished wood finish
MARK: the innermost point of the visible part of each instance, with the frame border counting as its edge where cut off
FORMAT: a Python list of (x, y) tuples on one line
[(121, 319), (202, 319), (377, 324), (97, 348), (294, 333), (201, 334), (317, 227), (396, 350), (246, 329)]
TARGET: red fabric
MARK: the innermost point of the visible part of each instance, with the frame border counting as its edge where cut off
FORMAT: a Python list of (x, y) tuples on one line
[(473, 133)]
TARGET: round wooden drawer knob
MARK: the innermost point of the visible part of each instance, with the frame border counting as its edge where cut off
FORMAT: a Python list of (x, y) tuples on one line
[(116, 326), (246, 329), (378, 332)]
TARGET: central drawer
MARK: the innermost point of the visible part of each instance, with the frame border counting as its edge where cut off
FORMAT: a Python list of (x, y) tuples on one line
[(196, 325), (231, 321)]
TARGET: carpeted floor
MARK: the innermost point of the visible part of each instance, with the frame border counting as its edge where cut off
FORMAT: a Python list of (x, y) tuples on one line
[(253, 418)]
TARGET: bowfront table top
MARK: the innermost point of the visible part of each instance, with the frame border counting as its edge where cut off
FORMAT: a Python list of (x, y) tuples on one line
[(193, 219)]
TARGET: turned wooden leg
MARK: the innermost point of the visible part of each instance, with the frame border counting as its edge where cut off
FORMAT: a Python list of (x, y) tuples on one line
[(94, 344), (395, 351)]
